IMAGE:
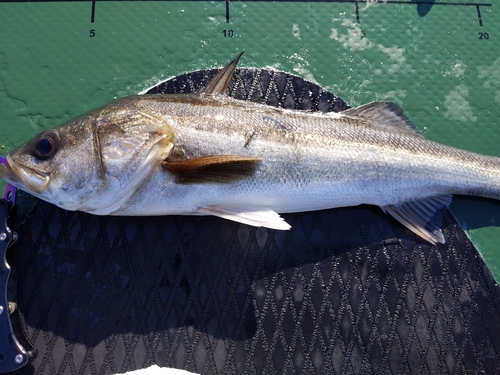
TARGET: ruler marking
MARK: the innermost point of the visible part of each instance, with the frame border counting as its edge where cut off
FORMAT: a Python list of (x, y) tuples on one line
[(227, 11), (92, 16), (479, 15), (357, 11)]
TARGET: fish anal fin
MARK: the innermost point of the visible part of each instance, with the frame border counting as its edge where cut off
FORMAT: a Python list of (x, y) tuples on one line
[(423, 217), (220, 82), (386, 115), (215, 169), (258, 218)]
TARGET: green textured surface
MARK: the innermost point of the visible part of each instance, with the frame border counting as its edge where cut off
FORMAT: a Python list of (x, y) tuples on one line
[(435, 66)]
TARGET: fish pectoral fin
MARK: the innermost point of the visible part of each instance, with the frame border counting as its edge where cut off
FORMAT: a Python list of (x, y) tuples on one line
[(219, 84), (215, 169), (423, 217), (385, 115), (261, 218)]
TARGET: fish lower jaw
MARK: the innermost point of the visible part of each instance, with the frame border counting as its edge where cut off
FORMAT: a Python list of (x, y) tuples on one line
[(26, 178)]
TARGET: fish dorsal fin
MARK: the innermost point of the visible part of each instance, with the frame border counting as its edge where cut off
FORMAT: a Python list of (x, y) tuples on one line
[(215, 169), (387, 115), (219, 84), (423, 217), (257, 218)]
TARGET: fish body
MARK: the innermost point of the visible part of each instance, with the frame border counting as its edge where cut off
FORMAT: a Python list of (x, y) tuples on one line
[(210, 154), (308, 161)]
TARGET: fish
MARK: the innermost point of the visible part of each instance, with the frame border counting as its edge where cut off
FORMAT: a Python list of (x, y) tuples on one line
[(209, 154)]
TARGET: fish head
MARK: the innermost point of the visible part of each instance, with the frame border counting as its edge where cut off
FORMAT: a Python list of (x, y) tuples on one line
[(94, 162), (56, 165)]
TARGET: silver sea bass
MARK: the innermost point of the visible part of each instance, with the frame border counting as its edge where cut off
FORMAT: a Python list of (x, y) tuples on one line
[(208, 154)]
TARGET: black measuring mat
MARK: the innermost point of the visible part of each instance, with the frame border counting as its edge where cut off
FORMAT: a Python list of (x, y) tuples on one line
[(344, 291)]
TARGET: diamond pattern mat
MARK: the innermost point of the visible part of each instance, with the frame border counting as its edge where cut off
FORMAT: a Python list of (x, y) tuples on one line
[(346, 291)]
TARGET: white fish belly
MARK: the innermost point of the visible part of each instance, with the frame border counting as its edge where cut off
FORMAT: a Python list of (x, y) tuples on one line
[(288, 181)]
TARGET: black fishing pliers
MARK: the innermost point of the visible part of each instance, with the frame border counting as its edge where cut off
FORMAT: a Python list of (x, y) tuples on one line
[(12, 354)]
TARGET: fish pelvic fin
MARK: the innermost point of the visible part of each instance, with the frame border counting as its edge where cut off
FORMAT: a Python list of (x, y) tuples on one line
[(423, 217), (260, 218), (386, 115), (219, 84), (214, 169)]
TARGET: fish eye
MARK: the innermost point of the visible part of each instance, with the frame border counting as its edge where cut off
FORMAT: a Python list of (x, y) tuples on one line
[(46, 144)]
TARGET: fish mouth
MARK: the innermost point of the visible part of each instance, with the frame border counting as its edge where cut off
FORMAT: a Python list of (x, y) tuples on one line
[(23, 177), (6, 172)]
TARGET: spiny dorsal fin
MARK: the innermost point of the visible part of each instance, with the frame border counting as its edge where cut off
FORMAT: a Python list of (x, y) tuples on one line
[(423, 217), (219, 84), (387, 115), (215, 169), (263, 218)]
